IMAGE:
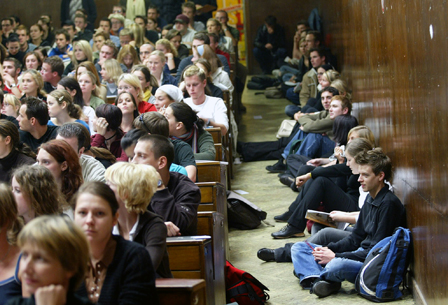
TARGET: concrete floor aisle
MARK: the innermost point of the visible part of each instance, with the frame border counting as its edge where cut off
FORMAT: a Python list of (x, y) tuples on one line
[(261, 123)]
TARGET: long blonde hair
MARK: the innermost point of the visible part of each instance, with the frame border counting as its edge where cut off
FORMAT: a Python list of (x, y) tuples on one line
[(86, 49), (37, 79)]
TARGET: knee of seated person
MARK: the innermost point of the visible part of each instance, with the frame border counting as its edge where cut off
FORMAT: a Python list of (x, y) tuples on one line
[(301, 247)]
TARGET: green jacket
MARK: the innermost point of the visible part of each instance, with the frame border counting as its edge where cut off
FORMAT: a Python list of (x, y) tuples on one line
[(309, 87), (317, 123)]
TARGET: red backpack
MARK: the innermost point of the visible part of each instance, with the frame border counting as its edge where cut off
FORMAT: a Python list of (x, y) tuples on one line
[(243, 288)]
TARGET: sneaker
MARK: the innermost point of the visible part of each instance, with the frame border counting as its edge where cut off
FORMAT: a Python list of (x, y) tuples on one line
[(278, 167), (323, 288), (288, 231)]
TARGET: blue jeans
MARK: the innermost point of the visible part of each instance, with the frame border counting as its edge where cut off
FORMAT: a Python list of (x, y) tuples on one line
[(290, 110), (337, 270), (293, 97), (287, 72), (315, 145), (298, 136)]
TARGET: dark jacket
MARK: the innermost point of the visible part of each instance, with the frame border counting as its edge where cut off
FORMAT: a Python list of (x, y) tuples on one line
[(151, 234), (10, 162), (33, 143), (130, 278), (277, 39), (88, 5), (169, 9), (378, 219), (178, 203)]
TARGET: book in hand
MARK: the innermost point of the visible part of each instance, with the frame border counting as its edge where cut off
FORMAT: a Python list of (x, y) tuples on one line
[(321, 217)]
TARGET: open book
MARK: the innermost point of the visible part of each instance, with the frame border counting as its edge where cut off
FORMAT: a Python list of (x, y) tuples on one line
[(324, 219)]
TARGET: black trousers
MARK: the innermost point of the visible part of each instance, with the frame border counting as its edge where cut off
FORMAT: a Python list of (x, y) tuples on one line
[(315, 191)]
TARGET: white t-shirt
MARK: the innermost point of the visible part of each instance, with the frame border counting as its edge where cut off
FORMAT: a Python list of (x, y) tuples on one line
[(213, 108)]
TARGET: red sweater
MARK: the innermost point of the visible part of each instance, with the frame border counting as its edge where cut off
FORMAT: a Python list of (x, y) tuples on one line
[(146, 107)]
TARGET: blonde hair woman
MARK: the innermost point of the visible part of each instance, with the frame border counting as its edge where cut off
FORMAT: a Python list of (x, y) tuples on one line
[(128, 56), (55, 256), (85, 66), (147, 81), (139, 35), (134, 185), (110, 72), (11, 105), (342, 87), (32, 84), (131, 84), (156, 63), (62, 109), (82, 51), (165, 46), (87, 81)]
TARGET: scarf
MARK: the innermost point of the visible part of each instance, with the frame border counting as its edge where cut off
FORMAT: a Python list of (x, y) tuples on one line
[(190, 136)]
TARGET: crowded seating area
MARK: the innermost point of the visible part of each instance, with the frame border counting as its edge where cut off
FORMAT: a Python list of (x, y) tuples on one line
[(124, 139)]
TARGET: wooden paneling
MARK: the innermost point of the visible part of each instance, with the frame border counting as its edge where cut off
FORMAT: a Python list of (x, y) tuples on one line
[(29, 16)]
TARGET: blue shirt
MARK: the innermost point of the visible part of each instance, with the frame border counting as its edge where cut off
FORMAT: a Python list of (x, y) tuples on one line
[(50, 123), (178, 169), (57, 52)]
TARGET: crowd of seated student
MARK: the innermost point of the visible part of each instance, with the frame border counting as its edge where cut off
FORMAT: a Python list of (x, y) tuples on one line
[(69, 139), (330, 160)]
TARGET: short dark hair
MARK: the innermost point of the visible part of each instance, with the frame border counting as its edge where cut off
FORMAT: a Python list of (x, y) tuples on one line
[(215, 37), (63, 32), (72, 130), (317, 35), (378, 160), (189, 4), (319, 50), (71, 84), (111, 113), (330, 89), (160, 146), (36, 108), (108, 20), (17, 64), (16, 18), (304, 22), (13, 37), (69, 23), (154, 7), (131, 137), (56, 64), (7, 19), (153, 123), (271, 20), (172, 33), (202, 36), (145, 20)]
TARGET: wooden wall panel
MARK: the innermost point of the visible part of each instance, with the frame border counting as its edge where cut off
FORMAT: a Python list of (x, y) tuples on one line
[(29, 16)]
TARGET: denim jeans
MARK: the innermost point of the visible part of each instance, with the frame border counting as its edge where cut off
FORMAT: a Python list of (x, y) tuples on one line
[(292, 96), (287, 72), (290, 110), (300, 135), (315, 145), (337, 270)]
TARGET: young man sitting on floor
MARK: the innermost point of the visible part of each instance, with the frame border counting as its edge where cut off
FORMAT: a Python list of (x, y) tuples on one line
[(324, 268)]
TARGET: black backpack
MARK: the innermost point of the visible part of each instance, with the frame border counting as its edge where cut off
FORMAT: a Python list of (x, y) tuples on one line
[(243, 214)]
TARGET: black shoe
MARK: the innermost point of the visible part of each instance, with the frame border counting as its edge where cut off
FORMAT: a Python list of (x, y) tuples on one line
[(323, 288), (308, 282), (287, 179), (288, 232), (294, 187), (283, 217), (266, 255), (278, 167)]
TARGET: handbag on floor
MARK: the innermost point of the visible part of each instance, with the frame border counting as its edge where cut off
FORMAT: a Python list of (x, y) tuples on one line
[(243, 288), (285, 128), (243, 214)]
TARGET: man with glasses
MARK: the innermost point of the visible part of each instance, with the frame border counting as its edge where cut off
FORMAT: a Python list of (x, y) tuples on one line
[(7, 29), (229, 31), (117, 22)]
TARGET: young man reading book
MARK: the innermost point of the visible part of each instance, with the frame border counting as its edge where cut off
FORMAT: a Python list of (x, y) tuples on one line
[(324, 268)]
